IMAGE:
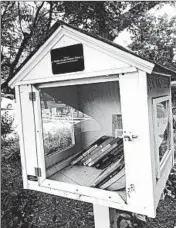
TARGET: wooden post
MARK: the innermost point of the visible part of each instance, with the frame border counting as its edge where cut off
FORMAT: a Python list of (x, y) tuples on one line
[(104, 217)]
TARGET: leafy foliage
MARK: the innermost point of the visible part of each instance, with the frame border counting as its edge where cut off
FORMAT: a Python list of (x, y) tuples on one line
[(155, 39), (6, 124), (25, 25), (105, 18), (60, 140)]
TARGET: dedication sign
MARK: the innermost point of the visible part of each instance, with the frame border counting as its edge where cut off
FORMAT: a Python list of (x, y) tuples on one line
[(67, 59)]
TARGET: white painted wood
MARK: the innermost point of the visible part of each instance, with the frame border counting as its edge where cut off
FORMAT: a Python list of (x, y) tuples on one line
[(89, 41), (28, 123), (86, 198), (79, 81), (123, 56), (83, 190), (154, 111), (161, 99), (37, 56), (160, 185), (93, 60), (77, 196), (138, 159), (163, 169), (80, 175), (81, 77), (155, 90), (101, 216), (39, 134), (21, 139)]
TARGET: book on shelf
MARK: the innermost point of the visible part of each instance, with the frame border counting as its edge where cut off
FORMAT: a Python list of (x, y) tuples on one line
[(114, 177), (109, 170), (101, 147), (104, 152), (89, 149), (114, 155)]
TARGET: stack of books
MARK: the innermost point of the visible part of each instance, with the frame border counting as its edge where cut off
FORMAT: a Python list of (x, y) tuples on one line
[(106, 154)]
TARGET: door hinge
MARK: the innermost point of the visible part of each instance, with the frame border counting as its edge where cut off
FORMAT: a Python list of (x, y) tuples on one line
[(32, 96), (38, 172)]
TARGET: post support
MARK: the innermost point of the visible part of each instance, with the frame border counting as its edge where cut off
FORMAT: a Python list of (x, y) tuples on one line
[(104, 217)]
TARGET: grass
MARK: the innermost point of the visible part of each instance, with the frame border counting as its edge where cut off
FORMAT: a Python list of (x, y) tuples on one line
[(166, 214)]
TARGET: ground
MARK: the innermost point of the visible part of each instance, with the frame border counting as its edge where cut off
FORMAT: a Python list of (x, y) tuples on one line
[(24, 208)]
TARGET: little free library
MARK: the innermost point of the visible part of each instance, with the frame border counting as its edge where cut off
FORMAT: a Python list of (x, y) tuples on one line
[(95, 122)]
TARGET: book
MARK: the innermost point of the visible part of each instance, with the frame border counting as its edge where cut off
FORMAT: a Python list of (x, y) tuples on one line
[(114, 177), (110, 169), (102, 153), (93, 161), (84, 155), (104, 181), (107, 160), (102, 146), (100, 150), (87, 150)]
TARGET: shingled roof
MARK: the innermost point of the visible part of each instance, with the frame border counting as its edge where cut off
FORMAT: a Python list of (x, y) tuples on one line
[(61, 23)]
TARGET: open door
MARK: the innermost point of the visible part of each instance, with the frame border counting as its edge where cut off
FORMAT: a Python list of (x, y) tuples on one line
[(28, 142), (39, 135)]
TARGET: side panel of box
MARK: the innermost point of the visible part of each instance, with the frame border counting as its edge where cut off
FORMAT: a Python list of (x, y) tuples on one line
[(28, 126), (159, 86)]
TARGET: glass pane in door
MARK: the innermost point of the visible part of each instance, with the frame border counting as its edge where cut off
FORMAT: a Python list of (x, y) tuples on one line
[(163, 128)]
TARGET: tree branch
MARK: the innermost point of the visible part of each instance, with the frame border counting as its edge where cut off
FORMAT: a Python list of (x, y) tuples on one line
[(3, 15), (36, 18), (50, 17), (19, 15), (5, 10), (25, 40)]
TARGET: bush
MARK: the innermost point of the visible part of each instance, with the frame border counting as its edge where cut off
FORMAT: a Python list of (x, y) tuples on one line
[(10, 149), (6, 124), (61, 139)]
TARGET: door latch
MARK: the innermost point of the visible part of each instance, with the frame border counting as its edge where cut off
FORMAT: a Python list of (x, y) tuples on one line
[(38, 172), (128, 136)]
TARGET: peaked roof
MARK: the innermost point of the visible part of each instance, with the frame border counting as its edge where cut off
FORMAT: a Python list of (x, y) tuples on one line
[(61, 23)]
